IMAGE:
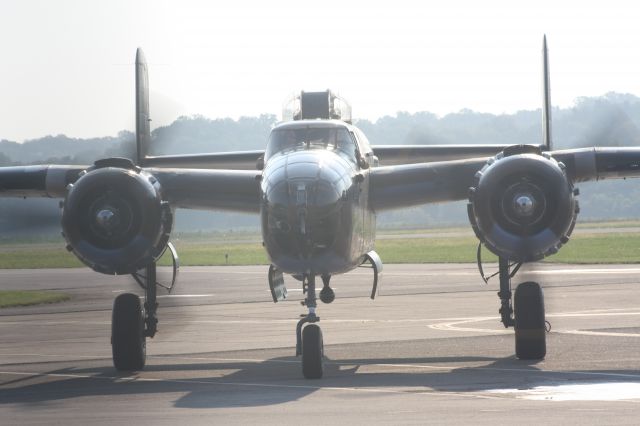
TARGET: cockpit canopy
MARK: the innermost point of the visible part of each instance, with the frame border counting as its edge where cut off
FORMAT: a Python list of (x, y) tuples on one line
[(325, 105), (334, 138)]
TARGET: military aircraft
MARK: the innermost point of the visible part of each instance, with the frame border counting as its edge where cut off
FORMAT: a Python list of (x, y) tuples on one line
[(317, 188)]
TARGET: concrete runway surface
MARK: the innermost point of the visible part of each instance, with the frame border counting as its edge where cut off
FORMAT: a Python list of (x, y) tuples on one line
[(429, 350)]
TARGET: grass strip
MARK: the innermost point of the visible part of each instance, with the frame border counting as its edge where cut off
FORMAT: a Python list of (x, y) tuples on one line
[(583, 248)]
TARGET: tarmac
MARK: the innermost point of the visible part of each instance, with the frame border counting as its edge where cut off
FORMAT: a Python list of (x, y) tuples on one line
[(429, 350)]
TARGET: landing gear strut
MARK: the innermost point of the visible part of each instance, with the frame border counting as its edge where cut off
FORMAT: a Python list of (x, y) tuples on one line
[(506, 307), (308, 334), (524, 312), (131, 325)]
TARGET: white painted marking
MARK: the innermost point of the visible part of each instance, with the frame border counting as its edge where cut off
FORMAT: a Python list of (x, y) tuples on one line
[(177, 296), (584, 271), (598, 333), (171, 295), (454, 325), (579, 392), (593, 314), (57, 356), (54, 323), (551, 271)]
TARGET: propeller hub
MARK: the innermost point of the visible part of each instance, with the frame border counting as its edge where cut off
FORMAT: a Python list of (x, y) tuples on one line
[(524, 205), (107, 219)]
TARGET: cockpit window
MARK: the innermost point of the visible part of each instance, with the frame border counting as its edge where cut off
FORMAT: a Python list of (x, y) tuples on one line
[(335, 139)]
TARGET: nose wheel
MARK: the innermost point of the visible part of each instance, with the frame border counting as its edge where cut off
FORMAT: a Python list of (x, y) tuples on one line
[(312, 352), (309, 342)]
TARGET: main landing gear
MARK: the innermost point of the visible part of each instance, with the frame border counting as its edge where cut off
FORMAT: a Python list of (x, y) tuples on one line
[(524, 312), (131, 324)]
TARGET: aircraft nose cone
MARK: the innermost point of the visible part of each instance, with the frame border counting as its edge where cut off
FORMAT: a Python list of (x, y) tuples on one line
[(303, 202)]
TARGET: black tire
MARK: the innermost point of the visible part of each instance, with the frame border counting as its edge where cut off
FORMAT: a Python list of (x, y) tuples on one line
[(530, 323), (128, 344), (312, 352)]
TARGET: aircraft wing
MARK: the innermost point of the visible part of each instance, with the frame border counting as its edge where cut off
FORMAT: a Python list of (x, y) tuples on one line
[(241, 160), (408, 185), (234, 190), (391, 155), (393, 187)]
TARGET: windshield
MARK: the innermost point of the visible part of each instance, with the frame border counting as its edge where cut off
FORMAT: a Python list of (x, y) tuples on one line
[(338, 139)]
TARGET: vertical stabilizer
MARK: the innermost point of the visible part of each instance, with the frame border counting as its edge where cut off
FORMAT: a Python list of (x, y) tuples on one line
[(143, 132), (546, 97)]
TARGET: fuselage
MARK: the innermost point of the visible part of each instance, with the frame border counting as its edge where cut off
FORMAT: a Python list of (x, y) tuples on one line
[(314, 198)]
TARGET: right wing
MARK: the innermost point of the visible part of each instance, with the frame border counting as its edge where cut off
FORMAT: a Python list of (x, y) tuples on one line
[(241, 160), (117, 217), (232, 190)]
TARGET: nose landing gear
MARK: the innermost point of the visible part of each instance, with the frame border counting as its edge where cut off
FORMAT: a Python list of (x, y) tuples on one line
[(309, 342)]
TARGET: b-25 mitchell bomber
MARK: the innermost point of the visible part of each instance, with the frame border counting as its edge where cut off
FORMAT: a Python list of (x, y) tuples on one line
[(317, 188)]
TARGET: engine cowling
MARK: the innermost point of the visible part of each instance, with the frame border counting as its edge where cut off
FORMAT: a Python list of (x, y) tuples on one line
[(114, 218), (522, 205)]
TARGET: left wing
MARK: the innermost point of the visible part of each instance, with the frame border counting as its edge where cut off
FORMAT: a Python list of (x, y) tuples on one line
[(522, 202), (391, 155), (393, 187), (408, 185)]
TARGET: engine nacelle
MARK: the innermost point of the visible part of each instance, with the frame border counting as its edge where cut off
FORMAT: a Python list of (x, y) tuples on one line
[(114, 218), (522, 205)]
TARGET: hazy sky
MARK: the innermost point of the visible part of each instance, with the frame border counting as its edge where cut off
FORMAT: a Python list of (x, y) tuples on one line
[(66, 66)]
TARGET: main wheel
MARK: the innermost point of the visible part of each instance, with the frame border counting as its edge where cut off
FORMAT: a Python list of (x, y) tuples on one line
[(312, 352), (128, 343), (529, 321)]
